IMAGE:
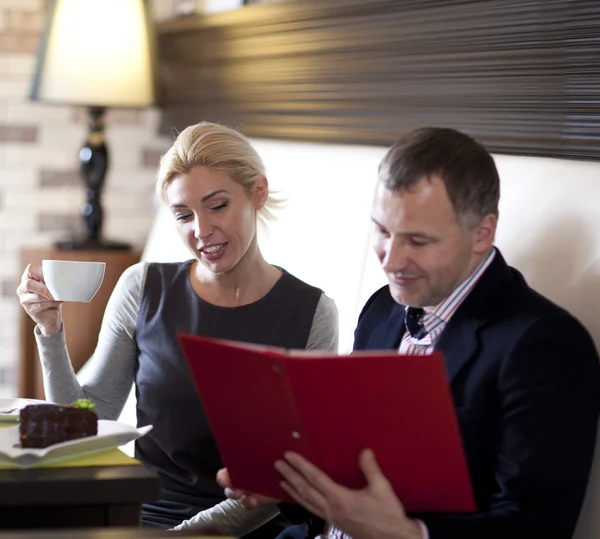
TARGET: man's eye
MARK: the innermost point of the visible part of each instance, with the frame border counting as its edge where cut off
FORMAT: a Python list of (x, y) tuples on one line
[(417, 243)]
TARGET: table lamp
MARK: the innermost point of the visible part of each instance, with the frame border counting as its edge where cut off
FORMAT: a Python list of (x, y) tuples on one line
[(99, 54)]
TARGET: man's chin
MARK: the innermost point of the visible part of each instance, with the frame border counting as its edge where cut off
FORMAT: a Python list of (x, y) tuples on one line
[(401, 297)]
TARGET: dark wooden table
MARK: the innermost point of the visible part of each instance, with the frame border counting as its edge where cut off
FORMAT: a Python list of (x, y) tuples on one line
[(113, 533), (75, 497)]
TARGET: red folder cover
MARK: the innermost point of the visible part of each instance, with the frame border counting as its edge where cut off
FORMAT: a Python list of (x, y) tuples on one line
[(262, 401)]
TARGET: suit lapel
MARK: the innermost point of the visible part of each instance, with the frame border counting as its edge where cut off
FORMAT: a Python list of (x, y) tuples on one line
[(387, 336), (460, 341)]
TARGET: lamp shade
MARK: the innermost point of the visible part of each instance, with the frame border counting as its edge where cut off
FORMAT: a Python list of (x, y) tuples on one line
[(96, 53)]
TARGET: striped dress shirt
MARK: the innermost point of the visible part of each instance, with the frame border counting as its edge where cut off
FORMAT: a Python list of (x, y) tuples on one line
[(434, 320)]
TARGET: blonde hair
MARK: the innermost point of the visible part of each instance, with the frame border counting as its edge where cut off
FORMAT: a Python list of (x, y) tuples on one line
[(218, 147)]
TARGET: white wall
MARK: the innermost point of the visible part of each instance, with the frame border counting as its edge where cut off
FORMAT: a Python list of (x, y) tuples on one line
[(549, 225)]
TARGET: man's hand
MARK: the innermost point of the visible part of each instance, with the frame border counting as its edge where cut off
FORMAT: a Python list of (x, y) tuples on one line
[(249, 500), (373, 512)]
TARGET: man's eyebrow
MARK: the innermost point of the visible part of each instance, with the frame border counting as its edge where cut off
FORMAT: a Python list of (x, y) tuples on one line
[(408, 233), (418, 235)]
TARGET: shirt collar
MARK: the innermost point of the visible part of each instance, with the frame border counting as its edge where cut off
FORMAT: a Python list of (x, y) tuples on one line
[(447, 307)]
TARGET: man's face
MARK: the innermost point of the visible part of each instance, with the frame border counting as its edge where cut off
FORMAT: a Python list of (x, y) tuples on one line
[(423, 247)]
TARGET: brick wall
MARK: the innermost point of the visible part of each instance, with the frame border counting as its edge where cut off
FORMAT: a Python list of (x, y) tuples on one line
[(40, 188)]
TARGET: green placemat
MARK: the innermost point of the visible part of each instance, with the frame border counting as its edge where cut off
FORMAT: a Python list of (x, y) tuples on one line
[(109, 457)]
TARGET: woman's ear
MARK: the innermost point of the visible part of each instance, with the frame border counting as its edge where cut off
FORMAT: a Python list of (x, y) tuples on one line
[(261, 192)]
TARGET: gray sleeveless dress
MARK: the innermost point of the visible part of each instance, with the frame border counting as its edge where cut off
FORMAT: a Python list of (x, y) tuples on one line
[(181, 448)]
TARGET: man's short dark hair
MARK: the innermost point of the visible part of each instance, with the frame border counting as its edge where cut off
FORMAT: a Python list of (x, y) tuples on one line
[(465, 166)]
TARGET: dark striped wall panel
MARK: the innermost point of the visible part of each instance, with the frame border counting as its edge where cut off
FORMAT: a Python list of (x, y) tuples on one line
[(521, 76)]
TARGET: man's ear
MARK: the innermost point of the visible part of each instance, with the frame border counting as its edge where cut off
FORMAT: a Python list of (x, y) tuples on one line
[(261, 192), (485, 233)]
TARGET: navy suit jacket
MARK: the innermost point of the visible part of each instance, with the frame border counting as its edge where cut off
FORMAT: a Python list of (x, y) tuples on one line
[(525, 377)]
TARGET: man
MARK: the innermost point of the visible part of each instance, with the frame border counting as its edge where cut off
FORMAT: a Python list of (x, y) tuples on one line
[(524, 373)]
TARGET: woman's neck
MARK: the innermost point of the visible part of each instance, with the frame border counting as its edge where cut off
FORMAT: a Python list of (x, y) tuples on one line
[(250, 280)]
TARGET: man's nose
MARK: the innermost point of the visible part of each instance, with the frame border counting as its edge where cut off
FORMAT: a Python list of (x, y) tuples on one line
[(395, 258)]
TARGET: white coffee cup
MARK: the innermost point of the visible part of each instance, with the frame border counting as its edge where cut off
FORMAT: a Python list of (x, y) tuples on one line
[(70, 280)]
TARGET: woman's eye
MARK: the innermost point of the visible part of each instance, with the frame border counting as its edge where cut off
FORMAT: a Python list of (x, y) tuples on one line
[(219, 207), (183, 217)]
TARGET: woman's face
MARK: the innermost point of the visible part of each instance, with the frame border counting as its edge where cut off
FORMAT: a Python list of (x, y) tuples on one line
[(215, 217)]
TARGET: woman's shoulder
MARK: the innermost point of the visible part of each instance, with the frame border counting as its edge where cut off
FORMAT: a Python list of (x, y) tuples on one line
[(134, 278), (297, 285), (168, 269), (325, 306), (134, 275)]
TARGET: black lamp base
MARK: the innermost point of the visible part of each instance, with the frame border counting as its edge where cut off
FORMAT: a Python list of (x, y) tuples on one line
[(85, 244)]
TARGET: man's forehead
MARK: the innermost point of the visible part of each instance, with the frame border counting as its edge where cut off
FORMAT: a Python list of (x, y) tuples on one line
[(425, 204)]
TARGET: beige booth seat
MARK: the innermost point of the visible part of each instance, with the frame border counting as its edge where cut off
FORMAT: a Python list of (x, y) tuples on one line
[(549, 229)]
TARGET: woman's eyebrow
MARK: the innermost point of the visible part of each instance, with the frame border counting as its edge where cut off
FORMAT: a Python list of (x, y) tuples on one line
[(214, 193)]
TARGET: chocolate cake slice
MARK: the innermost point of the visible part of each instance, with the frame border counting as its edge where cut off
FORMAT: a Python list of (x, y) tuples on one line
[(42, 425)]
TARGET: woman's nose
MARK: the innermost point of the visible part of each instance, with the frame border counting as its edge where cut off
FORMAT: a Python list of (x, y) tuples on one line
[(202, 228)]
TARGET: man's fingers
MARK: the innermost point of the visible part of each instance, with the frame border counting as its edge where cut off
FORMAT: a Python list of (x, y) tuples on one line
[(317, 478), (370, 468), (307, 504), (305, 492)]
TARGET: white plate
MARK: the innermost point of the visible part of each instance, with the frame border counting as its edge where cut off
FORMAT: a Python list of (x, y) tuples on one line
[(8, 404), (110, 434)]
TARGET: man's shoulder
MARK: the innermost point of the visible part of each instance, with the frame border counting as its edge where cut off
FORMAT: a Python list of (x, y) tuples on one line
[(377, 311), (378, 305), (515, 308)]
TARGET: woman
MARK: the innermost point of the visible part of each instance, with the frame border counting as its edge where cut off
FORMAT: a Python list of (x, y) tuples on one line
[(215, 186)]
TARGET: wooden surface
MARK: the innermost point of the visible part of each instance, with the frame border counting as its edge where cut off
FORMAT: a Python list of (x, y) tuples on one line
[(81, 320), (75, 497), (522, 77), (95, 533)]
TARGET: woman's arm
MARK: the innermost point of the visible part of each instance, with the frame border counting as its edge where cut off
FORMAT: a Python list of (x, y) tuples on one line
[(229, 517), (107, 377), (324, 333)]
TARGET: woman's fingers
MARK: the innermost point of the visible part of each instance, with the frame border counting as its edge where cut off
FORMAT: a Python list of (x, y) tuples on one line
[(32, 281), (223, 478), (29, 285), (34, 272), (36, 287)]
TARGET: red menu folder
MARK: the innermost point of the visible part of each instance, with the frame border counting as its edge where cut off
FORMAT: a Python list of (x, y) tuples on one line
[(262, 401)]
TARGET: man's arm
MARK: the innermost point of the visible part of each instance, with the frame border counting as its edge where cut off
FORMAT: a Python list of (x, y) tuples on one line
[(548, 406), (548, 393)]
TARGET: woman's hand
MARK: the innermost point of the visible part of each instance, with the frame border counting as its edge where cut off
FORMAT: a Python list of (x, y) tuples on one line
[(249, 500), (37, 301)]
